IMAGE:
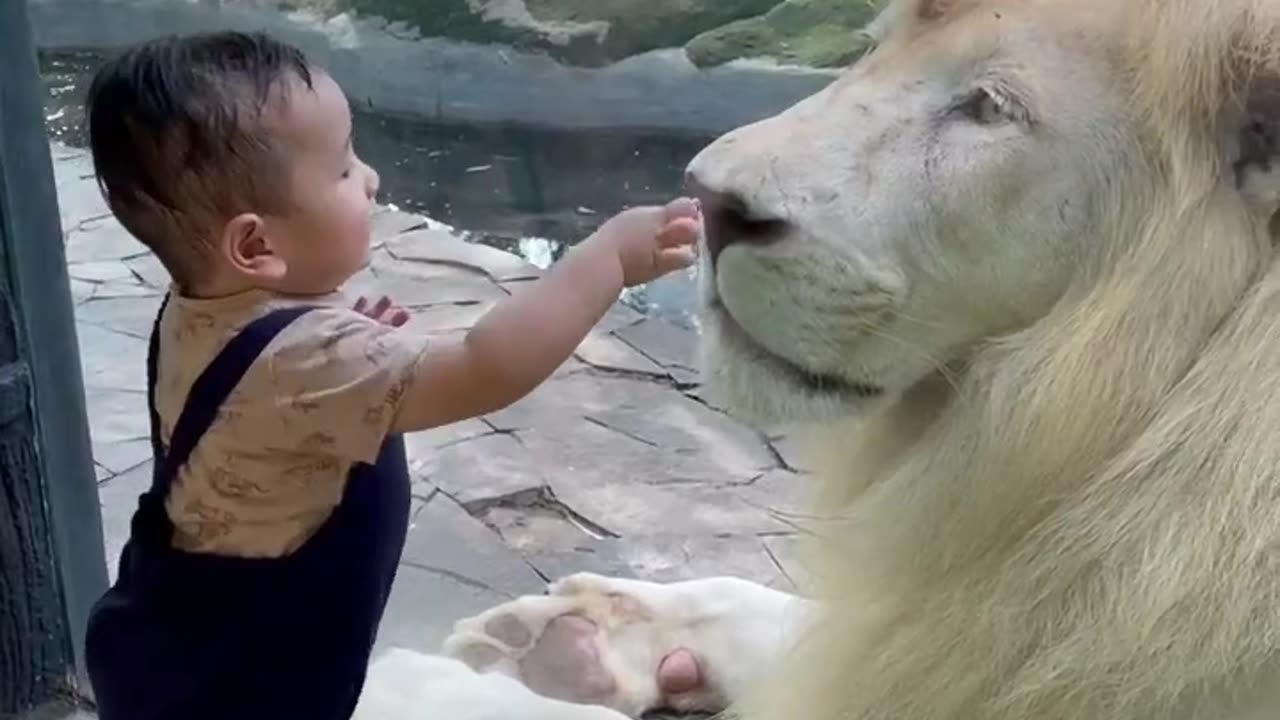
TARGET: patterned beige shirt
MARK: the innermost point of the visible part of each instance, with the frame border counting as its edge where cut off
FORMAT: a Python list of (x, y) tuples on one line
[(320, 398)]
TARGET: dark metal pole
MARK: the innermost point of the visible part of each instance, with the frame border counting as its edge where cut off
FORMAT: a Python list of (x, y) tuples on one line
[(52, 562)]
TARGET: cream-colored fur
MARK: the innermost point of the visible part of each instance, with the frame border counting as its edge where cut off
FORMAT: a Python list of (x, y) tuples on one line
[(1040, 330), (1065, 501), (406, 685), (737, 629), (492, 664)]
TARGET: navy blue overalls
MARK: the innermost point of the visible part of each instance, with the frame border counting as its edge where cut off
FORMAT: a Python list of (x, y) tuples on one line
[(187, 636)]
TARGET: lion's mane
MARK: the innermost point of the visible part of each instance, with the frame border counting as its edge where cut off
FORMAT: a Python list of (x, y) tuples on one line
[(1083, 523)]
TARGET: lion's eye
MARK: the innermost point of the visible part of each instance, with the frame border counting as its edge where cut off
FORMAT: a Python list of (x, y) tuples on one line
[(988, 108)]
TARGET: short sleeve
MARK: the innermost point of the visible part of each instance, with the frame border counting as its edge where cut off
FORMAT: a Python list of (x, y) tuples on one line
[(337, 380)]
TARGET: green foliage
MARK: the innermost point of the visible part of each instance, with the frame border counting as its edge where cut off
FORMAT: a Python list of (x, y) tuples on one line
[(634, 26), (820, 33)]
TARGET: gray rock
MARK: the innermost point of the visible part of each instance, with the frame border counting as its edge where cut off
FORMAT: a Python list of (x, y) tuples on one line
[(632, 488), (61, 153), (79, 199), (116, 415), (619, 316), (128, 315), (683, 426), (481, 471), (448, 318), (783, 494), (81, 290), (664, 343), (70, 166), (701, 394), (607, 352), (570, 397), (111, 360), (791, 450), (150, 271), (387, 223), (102, 239), (381, 260), (671, 557), (119, 498), (445, 540), (122, 456), (645, 414), (102, 271), (445, 248), (412, 291), (550, 541), (453, 567), (421, 445), (125, 289), (424, 606), (785, 551)]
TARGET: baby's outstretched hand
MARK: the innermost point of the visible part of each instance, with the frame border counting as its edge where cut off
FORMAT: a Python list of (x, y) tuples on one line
[(384, 311), (653, 241)]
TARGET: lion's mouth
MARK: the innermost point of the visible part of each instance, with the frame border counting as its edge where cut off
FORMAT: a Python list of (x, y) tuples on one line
[(815, 382)]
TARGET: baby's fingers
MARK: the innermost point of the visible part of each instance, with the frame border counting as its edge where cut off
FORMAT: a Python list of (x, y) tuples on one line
[(681, 208), (672, 259), (383, 311), (362, 306), (679, 233)]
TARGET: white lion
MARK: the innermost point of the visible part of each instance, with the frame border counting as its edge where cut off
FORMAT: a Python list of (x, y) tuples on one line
[(1019, 262)]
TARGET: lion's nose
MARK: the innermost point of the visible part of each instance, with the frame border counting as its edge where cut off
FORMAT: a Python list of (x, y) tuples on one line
[(729, 219)]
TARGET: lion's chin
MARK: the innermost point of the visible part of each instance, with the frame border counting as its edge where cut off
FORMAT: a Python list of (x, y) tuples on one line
[(749, 381)]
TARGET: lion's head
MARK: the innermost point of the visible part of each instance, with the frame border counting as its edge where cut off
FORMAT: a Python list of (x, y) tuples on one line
[(986, 162), (1028, 246)]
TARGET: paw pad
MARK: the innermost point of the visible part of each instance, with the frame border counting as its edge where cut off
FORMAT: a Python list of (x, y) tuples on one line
[(479, 657), (509, 630)]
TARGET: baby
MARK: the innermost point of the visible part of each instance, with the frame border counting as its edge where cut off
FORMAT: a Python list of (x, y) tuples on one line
[(261, 558)]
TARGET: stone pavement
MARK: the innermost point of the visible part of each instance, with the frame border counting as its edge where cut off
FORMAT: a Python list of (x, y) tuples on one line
[(615, 465)]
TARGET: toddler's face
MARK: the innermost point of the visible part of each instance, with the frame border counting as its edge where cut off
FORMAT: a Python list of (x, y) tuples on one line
[(324, 237)]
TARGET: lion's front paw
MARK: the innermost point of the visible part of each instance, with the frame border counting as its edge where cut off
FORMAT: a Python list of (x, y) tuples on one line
[(551, 644)]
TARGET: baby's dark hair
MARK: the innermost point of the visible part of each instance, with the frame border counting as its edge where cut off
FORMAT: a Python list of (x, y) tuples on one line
[(178, 142)]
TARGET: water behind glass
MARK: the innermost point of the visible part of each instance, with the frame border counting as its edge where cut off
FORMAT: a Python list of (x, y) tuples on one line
[(530, 191)]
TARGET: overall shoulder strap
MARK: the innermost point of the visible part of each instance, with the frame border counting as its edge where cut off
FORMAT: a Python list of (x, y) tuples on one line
[(211, 388), (153, 350)]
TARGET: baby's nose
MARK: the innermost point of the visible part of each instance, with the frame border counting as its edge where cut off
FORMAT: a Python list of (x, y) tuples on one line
[(371, 183)]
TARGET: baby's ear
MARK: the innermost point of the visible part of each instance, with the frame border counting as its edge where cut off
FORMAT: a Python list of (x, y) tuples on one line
[(1257, 164), (245, 245)]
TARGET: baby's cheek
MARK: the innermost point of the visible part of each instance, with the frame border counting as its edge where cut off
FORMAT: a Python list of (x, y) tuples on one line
[(349, 220), (360, 239), (359, 214)]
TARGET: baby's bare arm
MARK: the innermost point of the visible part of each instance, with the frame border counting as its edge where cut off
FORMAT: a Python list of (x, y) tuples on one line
[(523, 340)]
